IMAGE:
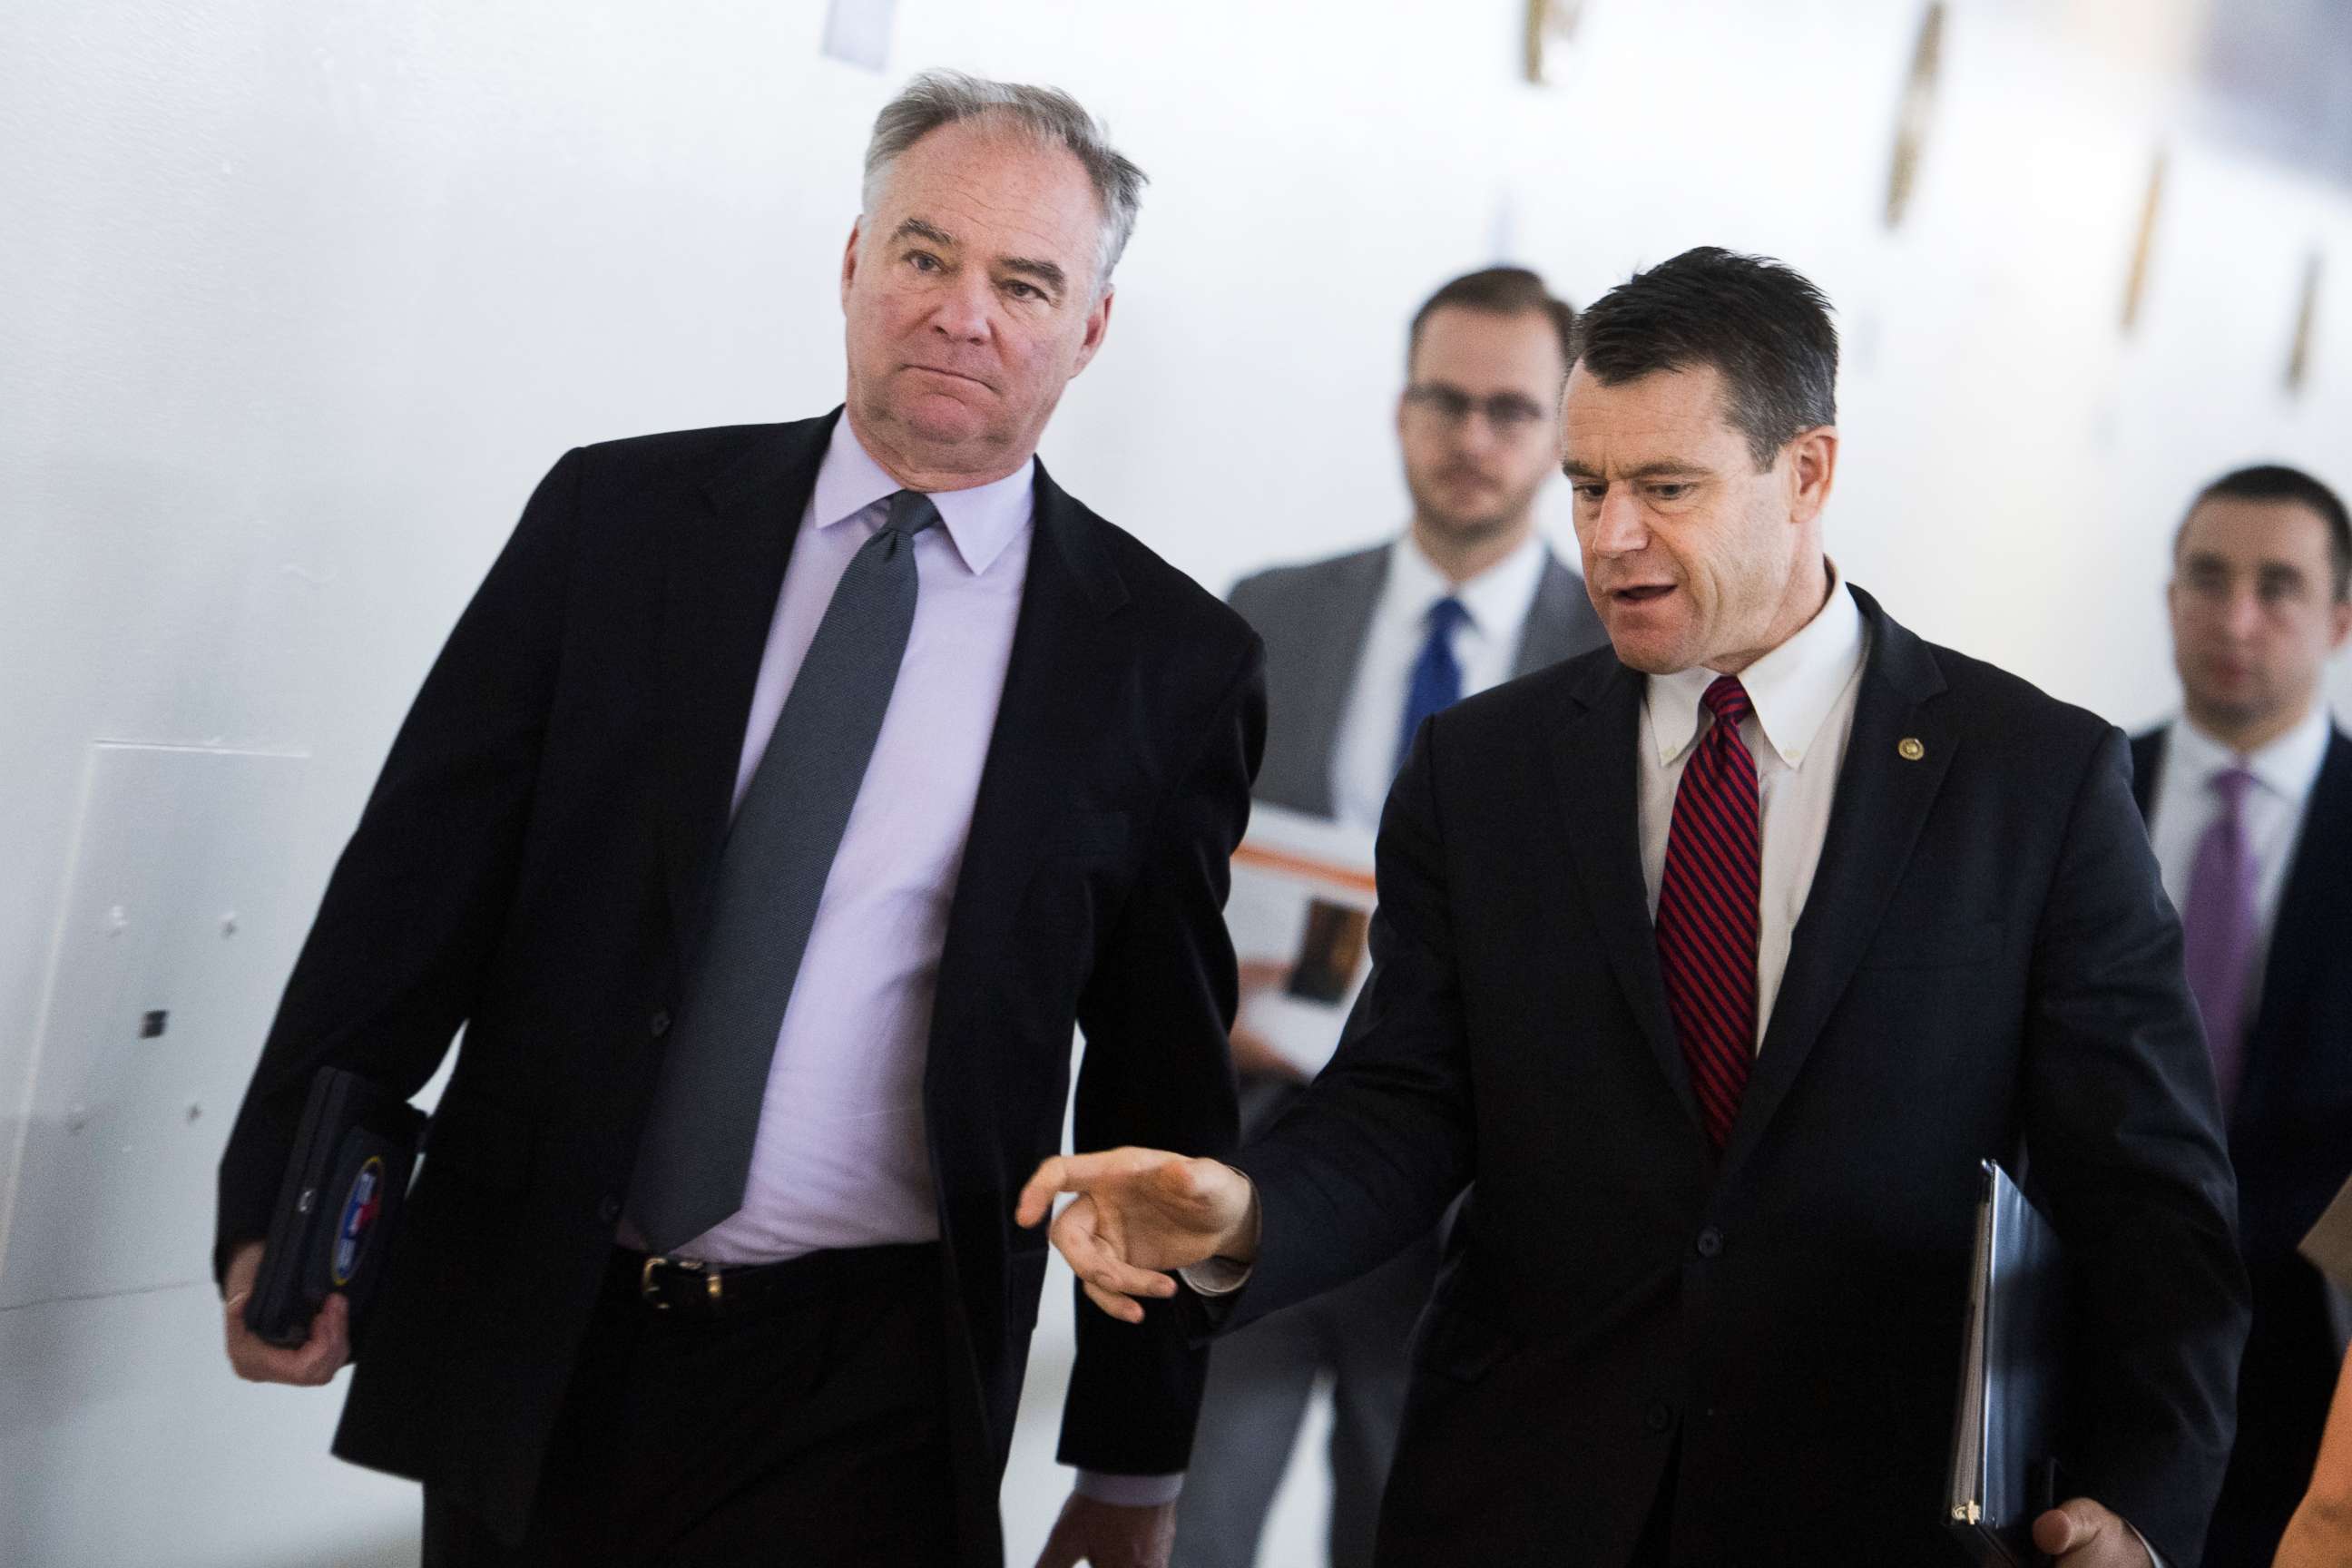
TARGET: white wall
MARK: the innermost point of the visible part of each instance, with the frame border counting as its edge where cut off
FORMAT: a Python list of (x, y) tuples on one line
[(296, 301)]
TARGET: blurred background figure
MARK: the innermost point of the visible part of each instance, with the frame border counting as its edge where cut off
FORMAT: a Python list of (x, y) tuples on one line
[(1360, 649), (2249, 799)]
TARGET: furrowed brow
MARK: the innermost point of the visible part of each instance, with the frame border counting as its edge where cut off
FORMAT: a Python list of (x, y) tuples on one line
[(916, 228), (1665, 468)]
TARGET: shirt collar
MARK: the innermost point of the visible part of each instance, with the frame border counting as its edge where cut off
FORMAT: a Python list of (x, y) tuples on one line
[(981, 520), (1498, 599), (1792, 688), (2287, 767)]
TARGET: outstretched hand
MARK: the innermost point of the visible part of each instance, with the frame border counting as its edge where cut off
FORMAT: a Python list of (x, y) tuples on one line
[(1140, 1212)]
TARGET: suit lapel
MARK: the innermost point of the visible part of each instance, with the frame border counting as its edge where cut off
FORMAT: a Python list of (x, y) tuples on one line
[(1595, 777), (2148, 770), (1884, 796), (1070, 656), (2309, 921), (723, 573), (1328, 662)]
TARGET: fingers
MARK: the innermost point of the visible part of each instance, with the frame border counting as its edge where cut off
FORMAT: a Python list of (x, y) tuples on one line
[(1111, 1282), (1081, 1172), (1037, 1193), (308, 1364), (2053, 1532), (2083, 1531)]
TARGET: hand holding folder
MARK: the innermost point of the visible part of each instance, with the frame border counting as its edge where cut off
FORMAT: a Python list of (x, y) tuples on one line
[(308, 1362), (2007, 1494), (296, 1305)]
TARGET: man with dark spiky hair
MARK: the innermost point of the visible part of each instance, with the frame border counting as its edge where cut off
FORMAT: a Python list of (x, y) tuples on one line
[(2249, 796), (1719, 960)]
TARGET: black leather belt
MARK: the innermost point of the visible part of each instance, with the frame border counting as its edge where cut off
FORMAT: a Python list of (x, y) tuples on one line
[(691, 1288)]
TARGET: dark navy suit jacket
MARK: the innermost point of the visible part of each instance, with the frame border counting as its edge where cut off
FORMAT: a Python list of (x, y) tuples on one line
[(1986, 968)]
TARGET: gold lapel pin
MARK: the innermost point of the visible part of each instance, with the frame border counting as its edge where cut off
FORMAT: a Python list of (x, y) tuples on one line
[(1909, 749)]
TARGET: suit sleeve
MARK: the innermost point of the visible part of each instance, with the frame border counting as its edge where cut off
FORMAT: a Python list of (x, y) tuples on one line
[(413, 910), (1366, 1163), (1156, 1012), (2125, 1149)]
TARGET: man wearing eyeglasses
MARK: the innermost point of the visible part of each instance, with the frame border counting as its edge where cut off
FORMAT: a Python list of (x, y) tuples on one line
[(1360, 649)]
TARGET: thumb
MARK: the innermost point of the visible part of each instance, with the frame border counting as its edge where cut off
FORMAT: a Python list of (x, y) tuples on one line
[(2073, 1524)]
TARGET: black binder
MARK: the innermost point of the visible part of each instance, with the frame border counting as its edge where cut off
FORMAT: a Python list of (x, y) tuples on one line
[(2005, 1470), (353, 1156)]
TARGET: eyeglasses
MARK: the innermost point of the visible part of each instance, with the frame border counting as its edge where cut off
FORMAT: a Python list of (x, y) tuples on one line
[(1507, 412)]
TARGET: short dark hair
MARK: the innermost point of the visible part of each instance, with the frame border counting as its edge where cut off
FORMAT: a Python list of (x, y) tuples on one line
[(1763, 327), (2278, 482), (1499, 291)]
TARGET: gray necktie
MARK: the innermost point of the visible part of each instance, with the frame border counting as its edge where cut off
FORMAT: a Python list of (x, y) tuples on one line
[(696, 1152)]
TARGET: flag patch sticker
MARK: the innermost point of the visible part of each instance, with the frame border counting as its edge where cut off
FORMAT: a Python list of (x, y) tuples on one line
[(362, 1205)]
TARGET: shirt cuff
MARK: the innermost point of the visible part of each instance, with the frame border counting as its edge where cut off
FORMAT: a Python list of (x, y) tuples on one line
[(1217, 1277), (1130, 1492)]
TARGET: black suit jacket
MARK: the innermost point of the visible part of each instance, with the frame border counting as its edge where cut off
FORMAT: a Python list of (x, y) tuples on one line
[(2291, 1128), (536, 864), (1985, 967)]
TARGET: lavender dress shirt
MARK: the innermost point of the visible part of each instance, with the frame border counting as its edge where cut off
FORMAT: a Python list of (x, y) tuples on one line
[(841, 1158)]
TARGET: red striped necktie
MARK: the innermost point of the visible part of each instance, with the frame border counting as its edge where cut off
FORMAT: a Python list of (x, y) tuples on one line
[(1706, 910)]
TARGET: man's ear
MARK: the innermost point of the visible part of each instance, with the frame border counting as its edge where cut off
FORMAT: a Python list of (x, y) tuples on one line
[(1098, 326), (1812, 471), (850, 261)]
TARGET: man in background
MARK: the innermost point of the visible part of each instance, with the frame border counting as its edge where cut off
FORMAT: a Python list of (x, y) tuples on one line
[(1360, 649), (2249, 799), (784, 798)]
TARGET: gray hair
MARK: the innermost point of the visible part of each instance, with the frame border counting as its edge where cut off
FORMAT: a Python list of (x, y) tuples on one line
[(1048, 115)]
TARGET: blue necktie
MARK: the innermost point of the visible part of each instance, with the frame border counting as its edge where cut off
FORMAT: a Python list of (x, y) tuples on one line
[(1436, 674)]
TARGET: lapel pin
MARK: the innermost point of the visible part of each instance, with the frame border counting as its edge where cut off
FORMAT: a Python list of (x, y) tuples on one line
[(1909, 749)]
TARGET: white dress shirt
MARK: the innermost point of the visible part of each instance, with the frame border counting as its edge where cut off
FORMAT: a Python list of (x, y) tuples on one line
[(2186, 805), (1802, 696), (1486, 645), (841, 1158)]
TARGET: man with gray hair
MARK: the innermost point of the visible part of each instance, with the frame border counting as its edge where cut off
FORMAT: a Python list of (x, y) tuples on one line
[(782, 801)]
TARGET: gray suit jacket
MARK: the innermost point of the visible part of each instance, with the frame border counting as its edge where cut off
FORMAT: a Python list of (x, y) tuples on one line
[(1314, 619)]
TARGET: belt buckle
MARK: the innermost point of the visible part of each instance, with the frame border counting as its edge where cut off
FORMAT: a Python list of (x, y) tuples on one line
[(649, 1280)]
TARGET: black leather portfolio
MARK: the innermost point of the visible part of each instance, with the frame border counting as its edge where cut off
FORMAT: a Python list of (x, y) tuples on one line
[(353, 1155), (2004, 1466)]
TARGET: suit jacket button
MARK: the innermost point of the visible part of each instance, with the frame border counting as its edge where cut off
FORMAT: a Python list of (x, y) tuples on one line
[(659, 1026), (1661, 1416), (1710, 1242), (609, 1210)]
